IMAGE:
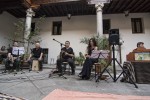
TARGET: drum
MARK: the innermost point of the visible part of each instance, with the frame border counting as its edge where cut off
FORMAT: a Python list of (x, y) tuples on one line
[(35, 65)]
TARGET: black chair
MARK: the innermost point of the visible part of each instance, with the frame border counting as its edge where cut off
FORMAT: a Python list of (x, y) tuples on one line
[(65, 66)]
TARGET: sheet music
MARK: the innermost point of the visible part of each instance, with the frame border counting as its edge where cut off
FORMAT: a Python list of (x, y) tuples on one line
[(18, 49), (100, 54)]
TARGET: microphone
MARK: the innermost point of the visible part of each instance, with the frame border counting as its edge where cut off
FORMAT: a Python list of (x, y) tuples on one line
[(59, 42)]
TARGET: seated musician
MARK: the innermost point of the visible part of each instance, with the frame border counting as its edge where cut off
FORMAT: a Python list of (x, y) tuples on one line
[(12, 58), (86, 70), (3, 53), (140, 47), (36, 54), (67, 56)]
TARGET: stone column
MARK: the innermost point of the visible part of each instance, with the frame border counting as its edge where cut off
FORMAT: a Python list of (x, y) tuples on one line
[(99, 7), (28, 22)]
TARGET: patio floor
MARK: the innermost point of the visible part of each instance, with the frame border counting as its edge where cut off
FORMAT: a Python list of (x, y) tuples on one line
[(37, 85)]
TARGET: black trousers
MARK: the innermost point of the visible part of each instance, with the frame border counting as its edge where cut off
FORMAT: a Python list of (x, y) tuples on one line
[(70, 62), (86, 70), (16, 64)]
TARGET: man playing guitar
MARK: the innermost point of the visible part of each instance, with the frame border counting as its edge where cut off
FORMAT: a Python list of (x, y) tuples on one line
[(67, 55)]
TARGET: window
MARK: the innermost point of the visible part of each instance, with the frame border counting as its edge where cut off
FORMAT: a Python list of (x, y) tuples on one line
[(137, 25), (32, 27), (45, 56), (57, 28), (106, 26)]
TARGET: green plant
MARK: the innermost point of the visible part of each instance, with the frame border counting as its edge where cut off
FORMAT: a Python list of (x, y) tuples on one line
[(102, 42), (80, 59), (20, 28), (34, 35), (18, 33)]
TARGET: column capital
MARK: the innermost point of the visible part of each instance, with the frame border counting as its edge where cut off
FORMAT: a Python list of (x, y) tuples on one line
[(30, 12), (99, 6)]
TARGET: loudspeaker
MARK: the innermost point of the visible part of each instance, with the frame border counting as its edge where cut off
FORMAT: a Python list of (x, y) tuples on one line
[(114, 37)]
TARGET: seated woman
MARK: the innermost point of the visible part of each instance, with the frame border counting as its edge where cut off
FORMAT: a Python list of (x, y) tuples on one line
[(86, 70)]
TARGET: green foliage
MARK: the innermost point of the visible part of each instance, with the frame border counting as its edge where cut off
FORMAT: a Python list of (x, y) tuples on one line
[(80, 59), (85, 40), (34, 35), (102, 42), (19, 28)]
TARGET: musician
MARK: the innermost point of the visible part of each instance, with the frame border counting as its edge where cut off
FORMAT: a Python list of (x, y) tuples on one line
[(67, 55), (140, 47), (12, 58), (86, 70), (36, 54), (3, 53)]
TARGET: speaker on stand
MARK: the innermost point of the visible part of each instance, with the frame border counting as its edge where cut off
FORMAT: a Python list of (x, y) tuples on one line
[(114, 40)]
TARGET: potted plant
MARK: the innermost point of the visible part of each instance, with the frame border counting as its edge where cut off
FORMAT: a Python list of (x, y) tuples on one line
[(80, 59)]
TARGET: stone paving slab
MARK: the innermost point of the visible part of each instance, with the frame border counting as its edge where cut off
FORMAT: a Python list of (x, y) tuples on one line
[(35, 86)]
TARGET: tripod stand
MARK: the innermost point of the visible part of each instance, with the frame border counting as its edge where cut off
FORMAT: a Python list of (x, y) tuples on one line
[(115, 78), (61, 74)]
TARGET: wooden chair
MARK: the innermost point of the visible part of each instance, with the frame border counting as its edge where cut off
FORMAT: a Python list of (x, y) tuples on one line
[(97, 70)]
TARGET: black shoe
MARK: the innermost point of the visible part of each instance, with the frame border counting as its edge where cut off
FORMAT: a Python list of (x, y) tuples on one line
[(85, 78), (79, 75), (73, 73)]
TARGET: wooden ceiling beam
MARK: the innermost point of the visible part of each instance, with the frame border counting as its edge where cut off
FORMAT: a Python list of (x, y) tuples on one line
[(52, 12), (117, 6), (10, 5), (44, 9), (26, 3), (138, 3), (77, 9), (145, 8), (112, 6), (126, 2), (38, 2), (12, 13), (145, 2), (61, 9), (56, 11), (130, 5), (148, 9)]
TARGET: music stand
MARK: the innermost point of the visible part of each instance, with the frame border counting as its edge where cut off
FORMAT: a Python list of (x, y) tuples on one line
[(18, 51), (99, 54)]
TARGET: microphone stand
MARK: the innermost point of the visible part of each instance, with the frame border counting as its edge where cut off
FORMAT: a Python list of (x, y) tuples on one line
[(18, 64), (61, 69)]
